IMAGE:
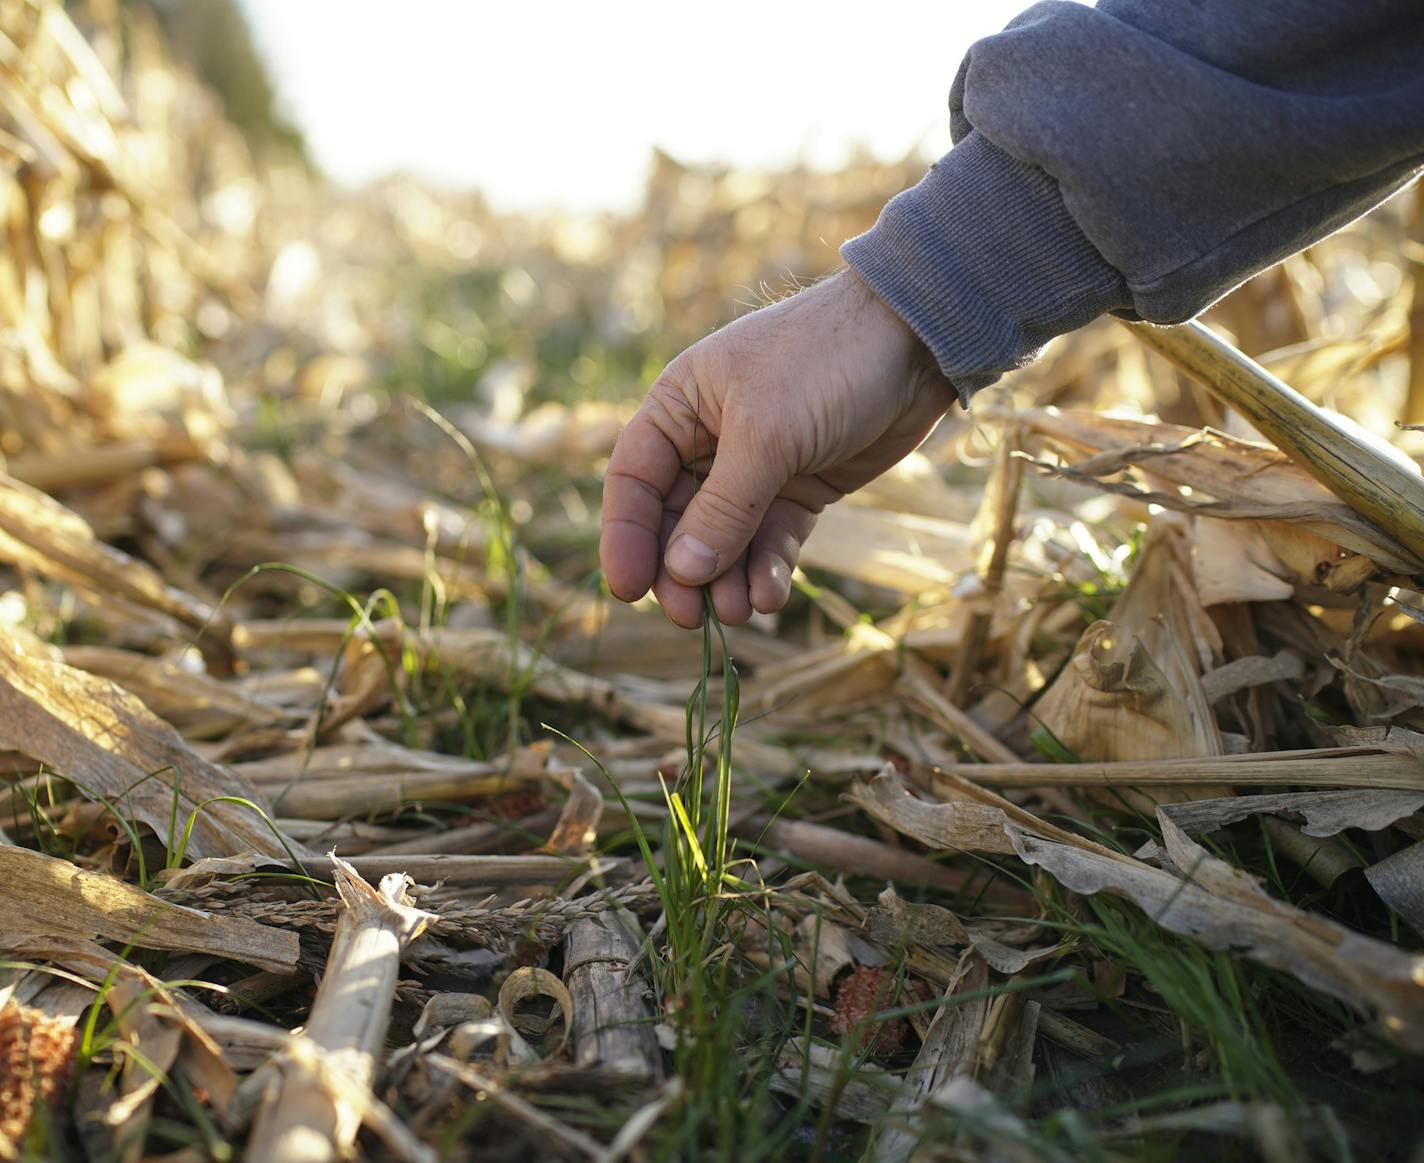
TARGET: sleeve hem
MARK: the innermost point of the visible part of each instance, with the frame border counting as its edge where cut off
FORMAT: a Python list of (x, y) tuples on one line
[(985, 264)]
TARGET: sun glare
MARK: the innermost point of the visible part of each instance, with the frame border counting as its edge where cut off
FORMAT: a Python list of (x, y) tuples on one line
[(559, 105)]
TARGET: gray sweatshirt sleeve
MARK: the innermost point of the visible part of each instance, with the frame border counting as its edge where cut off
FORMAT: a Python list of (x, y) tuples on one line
[(1143, 157)]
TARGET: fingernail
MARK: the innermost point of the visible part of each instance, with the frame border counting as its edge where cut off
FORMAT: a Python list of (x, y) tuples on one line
[(781, 578), (776, 587), (690, 561)]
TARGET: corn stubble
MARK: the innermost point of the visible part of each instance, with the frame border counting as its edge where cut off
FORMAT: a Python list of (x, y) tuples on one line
[(1117, 680)]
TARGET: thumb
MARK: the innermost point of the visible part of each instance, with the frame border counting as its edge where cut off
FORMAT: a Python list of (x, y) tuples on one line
[(724, 514)]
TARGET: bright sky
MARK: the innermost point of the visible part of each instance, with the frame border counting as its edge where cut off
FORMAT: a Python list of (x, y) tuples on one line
[(557, 103)]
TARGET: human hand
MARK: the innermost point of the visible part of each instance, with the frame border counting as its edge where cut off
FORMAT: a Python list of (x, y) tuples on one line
[(778, 414)]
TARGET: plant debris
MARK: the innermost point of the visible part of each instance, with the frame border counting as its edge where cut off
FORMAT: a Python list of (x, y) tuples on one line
[(1074, 807)]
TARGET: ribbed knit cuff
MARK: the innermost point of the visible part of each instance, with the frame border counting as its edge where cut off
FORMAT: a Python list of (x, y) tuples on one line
[(985, 264)]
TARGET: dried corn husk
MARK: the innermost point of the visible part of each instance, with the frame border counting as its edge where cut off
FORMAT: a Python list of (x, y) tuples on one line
[(1113, 702)]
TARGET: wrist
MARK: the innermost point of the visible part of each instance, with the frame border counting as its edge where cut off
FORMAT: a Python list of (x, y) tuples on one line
[(907, 348)]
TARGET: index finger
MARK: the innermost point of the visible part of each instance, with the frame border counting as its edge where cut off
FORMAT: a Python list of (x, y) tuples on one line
[(641, 473)]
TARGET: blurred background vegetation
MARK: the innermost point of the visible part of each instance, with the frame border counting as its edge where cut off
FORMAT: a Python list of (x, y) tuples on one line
[(214, 39)]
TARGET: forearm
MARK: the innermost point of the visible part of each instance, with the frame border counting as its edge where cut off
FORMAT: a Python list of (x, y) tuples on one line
[(1143, 158)]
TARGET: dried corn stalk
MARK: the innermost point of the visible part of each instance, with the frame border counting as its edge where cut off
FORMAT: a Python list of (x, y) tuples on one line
[(318, 1091)]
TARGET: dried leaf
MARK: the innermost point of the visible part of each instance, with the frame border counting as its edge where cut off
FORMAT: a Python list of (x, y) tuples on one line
[(1386, 766), (50, 898), (1113, 702), (444, 1011), (109, 744), (1407, 691), (41, 534), (1217, 906), (897, 922), (1253, 670), (1204, 899), (967, 827), (1399, 881), (809, 1071), (1326, 813), (576, 832), (899, 551), (948, 1050), (162, 1036), (529, 981), (1233, 562), (1372, 477), (200, 706), (1248, 480)]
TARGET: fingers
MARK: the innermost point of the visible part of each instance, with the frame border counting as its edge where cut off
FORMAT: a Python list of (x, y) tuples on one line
[(758, 581), (662, 531), (774, 552), (725, 513), (730, 597), (642, 472), (684, 604)]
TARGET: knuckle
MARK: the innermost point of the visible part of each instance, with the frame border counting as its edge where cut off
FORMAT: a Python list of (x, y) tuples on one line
[(782, 544), (726, 514), (676, 382), (663, 408), (668, 408), (630, 484), (783, 445)]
